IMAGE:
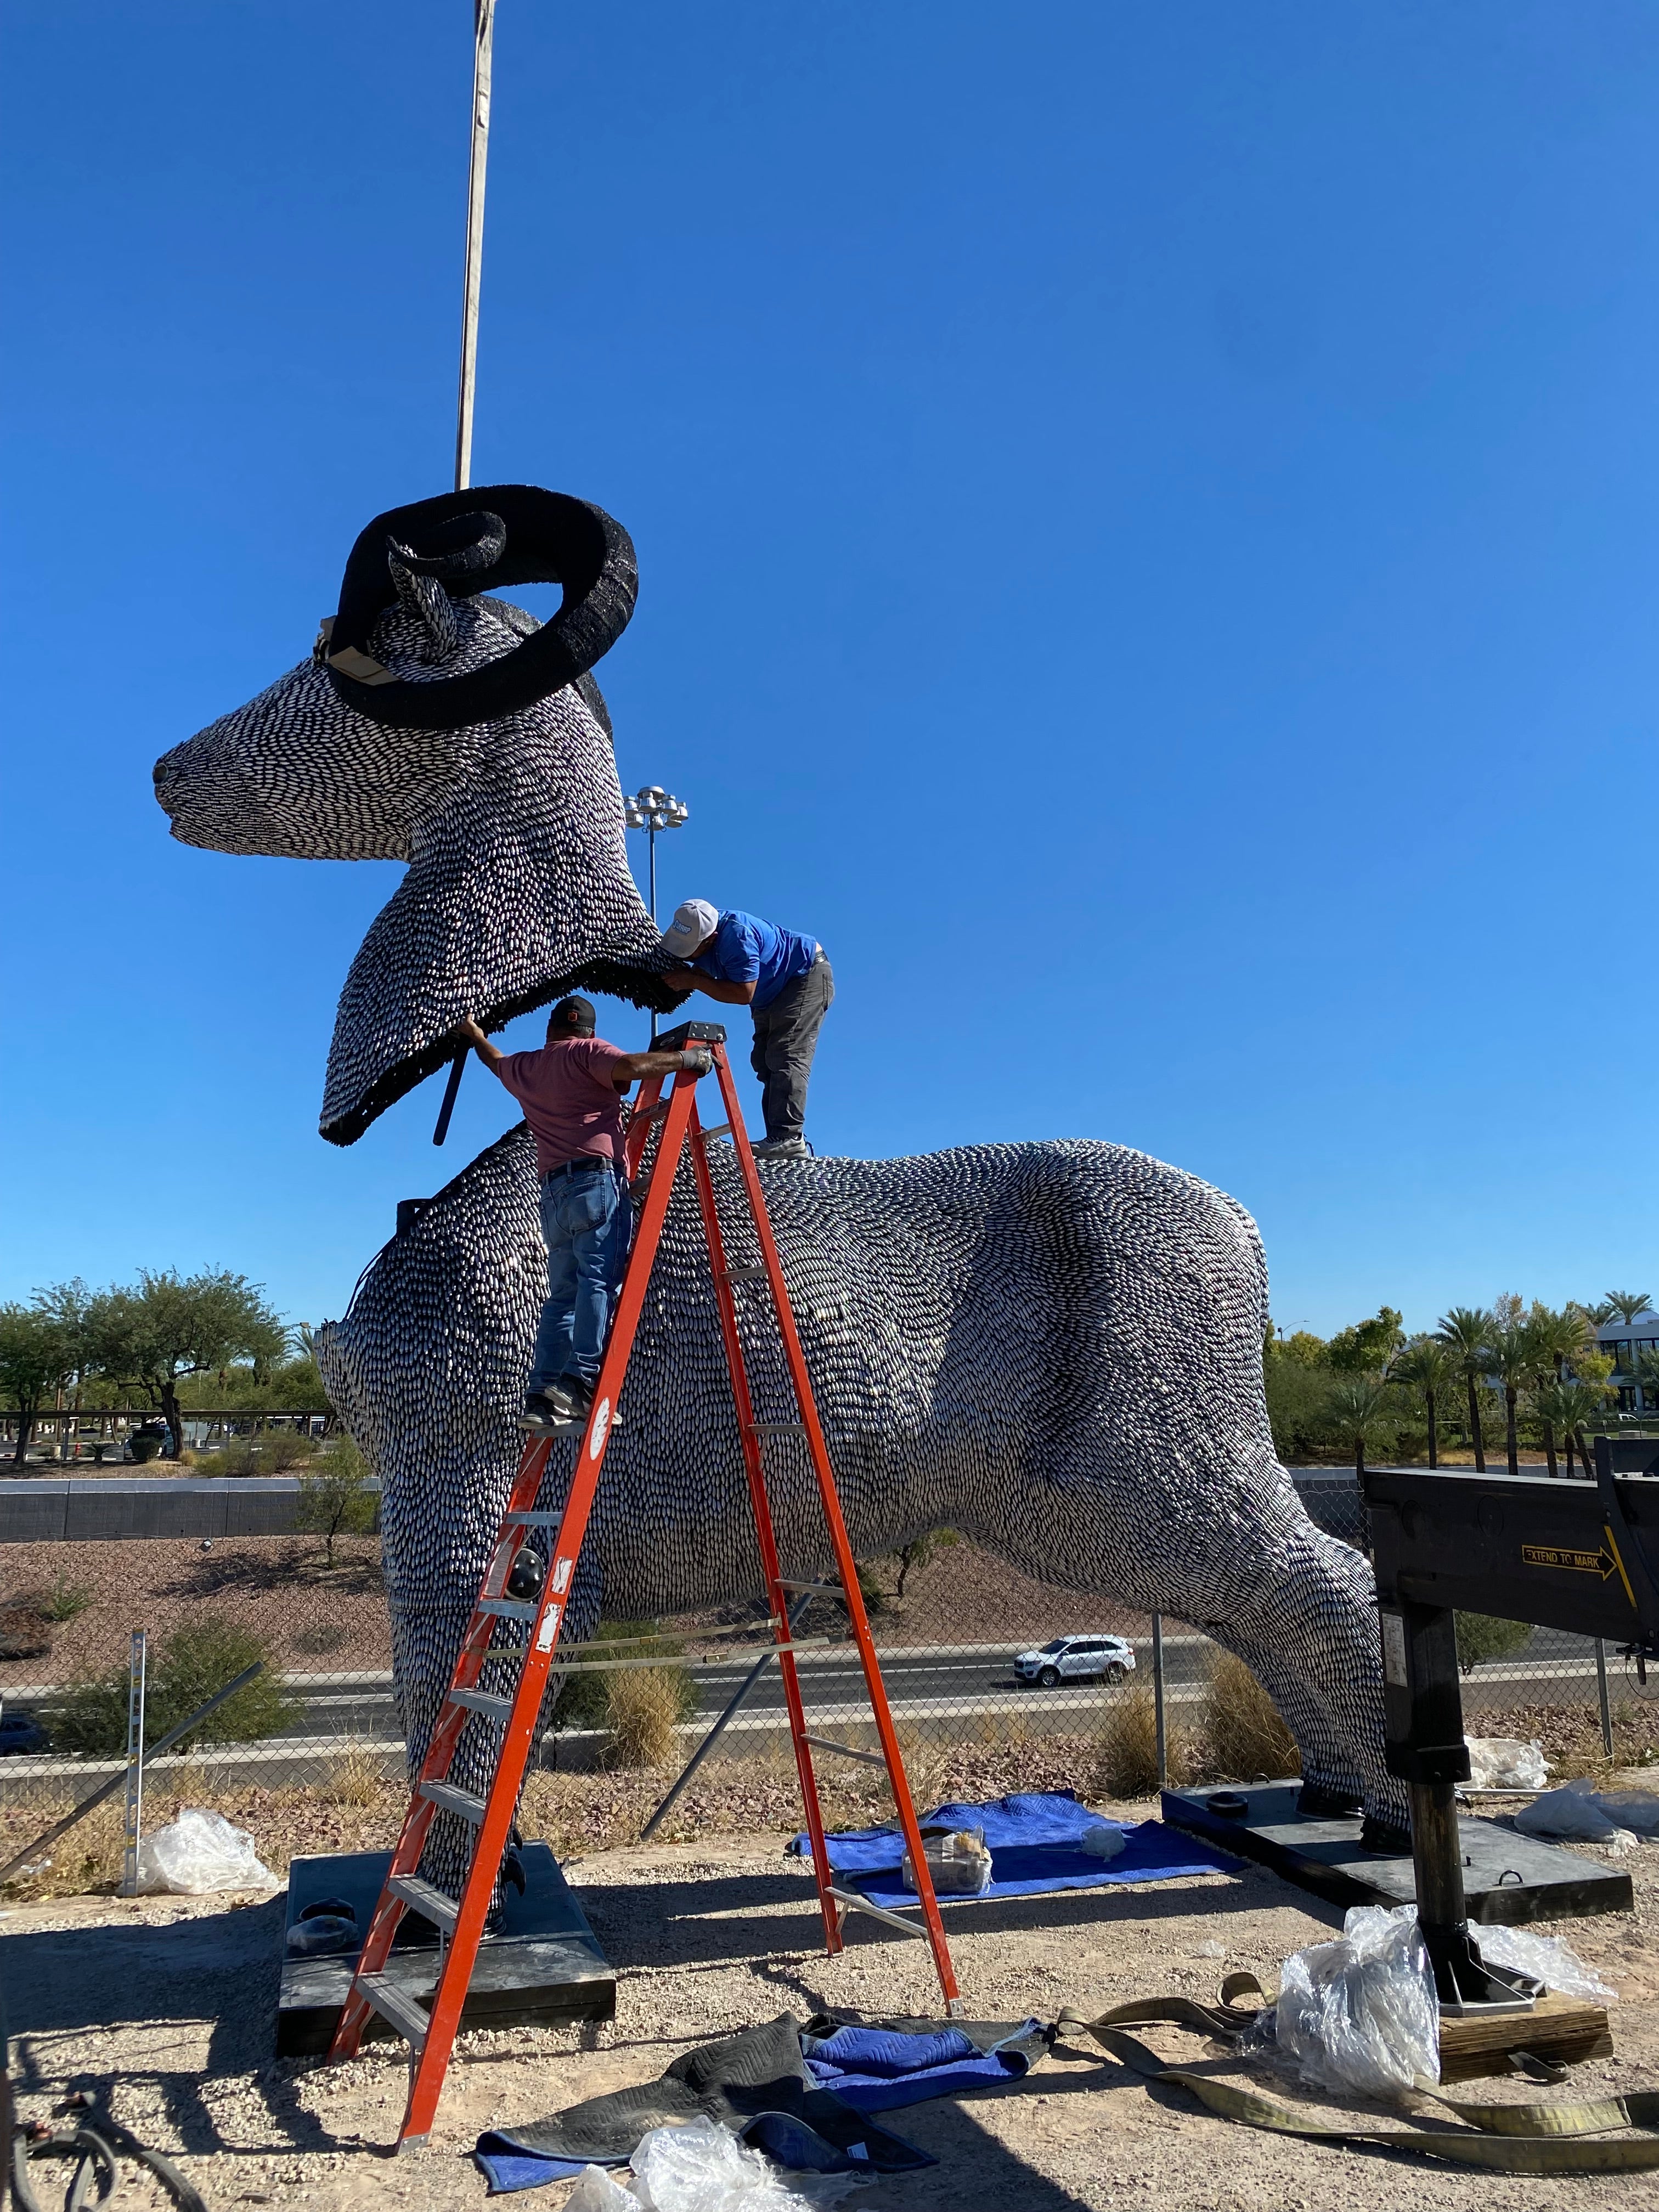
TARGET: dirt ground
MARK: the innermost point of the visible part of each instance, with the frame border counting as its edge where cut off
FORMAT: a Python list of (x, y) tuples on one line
[(167, 2006)]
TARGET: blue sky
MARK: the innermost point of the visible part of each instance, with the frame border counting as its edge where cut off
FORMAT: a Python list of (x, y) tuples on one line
[(1147, 523)]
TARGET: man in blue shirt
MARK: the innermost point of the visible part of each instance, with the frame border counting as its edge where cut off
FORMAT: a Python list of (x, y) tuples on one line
[(786, 982)]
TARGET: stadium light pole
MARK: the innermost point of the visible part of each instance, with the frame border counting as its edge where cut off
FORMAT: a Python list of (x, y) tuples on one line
[(651, 808)]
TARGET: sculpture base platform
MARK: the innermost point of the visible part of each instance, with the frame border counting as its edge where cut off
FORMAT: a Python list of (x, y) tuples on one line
[(1507, 1878), (544, 1967)]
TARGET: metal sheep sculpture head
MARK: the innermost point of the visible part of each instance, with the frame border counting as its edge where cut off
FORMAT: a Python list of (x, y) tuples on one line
[(438, 725)]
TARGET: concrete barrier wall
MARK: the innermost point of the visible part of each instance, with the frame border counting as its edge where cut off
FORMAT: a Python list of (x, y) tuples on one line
[(89, 1509)]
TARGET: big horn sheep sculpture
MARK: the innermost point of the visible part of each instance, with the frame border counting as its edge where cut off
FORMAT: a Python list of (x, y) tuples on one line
[(1053, 1349)]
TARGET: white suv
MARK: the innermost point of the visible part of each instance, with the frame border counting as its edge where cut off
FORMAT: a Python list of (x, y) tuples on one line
[(1076, 1659)]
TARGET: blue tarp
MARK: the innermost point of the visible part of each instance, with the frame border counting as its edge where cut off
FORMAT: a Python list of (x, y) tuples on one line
[(1033, 1839)]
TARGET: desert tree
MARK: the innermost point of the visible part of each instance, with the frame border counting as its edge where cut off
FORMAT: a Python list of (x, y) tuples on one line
[(35, 1359), (151, 1335)]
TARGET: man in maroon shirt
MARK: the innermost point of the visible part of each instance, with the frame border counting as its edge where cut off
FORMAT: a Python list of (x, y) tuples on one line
[(572, 1095)]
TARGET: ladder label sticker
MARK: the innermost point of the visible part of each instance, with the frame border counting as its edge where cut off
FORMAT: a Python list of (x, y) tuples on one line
[(1393, 1649), (562, 1577), (601, 1424), (1600, 1562), (549, 1629)]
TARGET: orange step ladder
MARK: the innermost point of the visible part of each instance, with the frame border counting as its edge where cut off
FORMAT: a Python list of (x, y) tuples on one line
[(513, 1711)]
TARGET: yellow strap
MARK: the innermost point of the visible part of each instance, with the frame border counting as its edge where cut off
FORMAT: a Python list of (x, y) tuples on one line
[(1508, 2138)]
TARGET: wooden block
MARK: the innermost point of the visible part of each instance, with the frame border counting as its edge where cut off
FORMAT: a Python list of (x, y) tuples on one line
[(1564, 2029)]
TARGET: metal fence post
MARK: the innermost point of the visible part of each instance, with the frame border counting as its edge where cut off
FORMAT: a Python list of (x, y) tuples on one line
[(1157, 1701), (1601, 1694), (134, 1761)]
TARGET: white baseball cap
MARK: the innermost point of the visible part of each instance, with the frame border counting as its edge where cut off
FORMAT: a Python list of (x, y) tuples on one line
[(694, 920)]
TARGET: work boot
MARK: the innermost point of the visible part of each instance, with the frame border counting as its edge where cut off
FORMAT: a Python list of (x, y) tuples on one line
[(580, 1395), (783, 1148)]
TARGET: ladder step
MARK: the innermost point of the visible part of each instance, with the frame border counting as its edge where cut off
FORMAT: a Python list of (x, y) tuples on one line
[(854, 1903), (845, 1750), (410, 2019), (814, 1590), (720, 1129), (531, 1519), (508, 1608), (448, 1799), (482, 1701), (748, 1275), (423, 1898), (779, 1428)]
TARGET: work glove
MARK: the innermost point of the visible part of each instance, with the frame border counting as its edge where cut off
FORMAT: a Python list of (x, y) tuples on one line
[(697, 1061)]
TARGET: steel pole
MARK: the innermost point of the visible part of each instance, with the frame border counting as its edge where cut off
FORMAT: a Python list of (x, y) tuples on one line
[(136, 1671), (483, 40), (484, 37), (1602, 1696), (1157, 1701)]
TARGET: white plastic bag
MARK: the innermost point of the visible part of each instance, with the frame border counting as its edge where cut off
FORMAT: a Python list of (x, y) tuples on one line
[(1574, 1811), (1546, 1957), (1503, 1762), (959, 1863), (1359, 2013), (198, 1853), (701, 2167), (1103, 1840)]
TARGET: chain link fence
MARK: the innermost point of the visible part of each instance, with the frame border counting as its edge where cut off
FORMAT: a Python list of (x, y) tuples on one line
[(996, 1683)]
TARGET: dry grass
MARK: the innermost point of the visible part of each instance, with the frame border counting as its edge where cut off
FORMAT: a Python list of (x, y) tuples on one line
[(642, 1705), (1247, 1741), (1126, 1749)]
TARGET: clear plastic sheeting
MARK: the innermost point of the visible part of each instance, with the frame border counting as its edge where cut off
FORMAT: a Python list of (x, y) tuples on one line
[(1359, 2013), (1503, 1762), (1576, 1813), (198, 1853), (702, 2167), (1546, 1957)]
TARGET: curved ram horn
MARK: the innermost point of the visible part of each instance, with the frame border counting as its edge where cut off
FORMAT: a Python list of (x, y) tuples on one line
[(524, 535)]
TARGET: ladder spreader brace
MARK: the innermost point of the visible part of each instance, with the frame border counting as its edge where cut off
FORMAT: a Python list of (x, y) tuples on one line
[(431, 2032)]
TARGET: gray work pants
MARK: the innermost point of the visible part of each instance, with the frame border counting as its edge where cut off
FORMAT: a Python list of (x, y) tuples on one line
[(786, 1037)]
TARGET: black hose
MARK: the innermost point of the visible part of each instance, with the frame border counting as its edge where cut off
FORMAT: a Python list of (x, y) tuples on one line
[(94, 2150)]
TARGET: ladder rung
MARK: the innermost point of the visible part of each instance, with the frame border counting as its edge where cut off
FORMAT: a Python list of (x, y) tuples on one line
[(845, 1750), (651, 1113), (854, 1903), (410, 2020), (448, 1799), (814, 1590), (423, 1898), (720, 1129), (482, 1701), (748, 1275), (508, 1608), (779, 1428), (531, 1519)]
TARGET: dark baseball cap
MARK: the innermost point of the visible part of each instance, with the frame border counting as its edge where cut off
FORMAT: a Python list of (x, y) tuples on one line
[(575, 1015)]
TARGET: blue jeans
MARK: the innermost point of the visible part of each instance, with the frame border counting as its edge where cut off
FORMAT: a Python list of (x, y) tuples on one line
[(586, 1219)]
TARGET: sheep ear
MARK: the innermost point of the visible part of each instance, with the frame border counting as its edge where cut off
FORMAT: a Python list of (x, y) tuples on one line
[(467, 545)]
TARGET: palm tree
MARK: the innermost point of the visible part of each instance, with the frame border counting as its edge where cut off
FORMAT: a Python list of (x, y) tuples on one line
[(1464, 1331), (1427, 1366), (1602, 1312), (1554, 1406), (1562, 1337), (1647, 1374), (1512, 1356), (1359, 1408), (1627, 1304)]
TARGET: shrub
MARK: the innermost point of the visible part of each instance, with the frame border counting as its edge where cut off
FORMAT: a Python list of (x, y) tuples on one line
[(24, 1631), (335, 1499), (196, 1660), (642, 1705), (282, 1450), (1484, 1636), (65, 1601), (1248, 1739), (1127, 1747), (609, 1701)]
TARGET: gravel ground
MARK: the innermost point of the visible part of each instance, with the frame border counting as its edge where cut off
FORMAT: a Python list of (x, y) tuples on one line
[(166, 2005)]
